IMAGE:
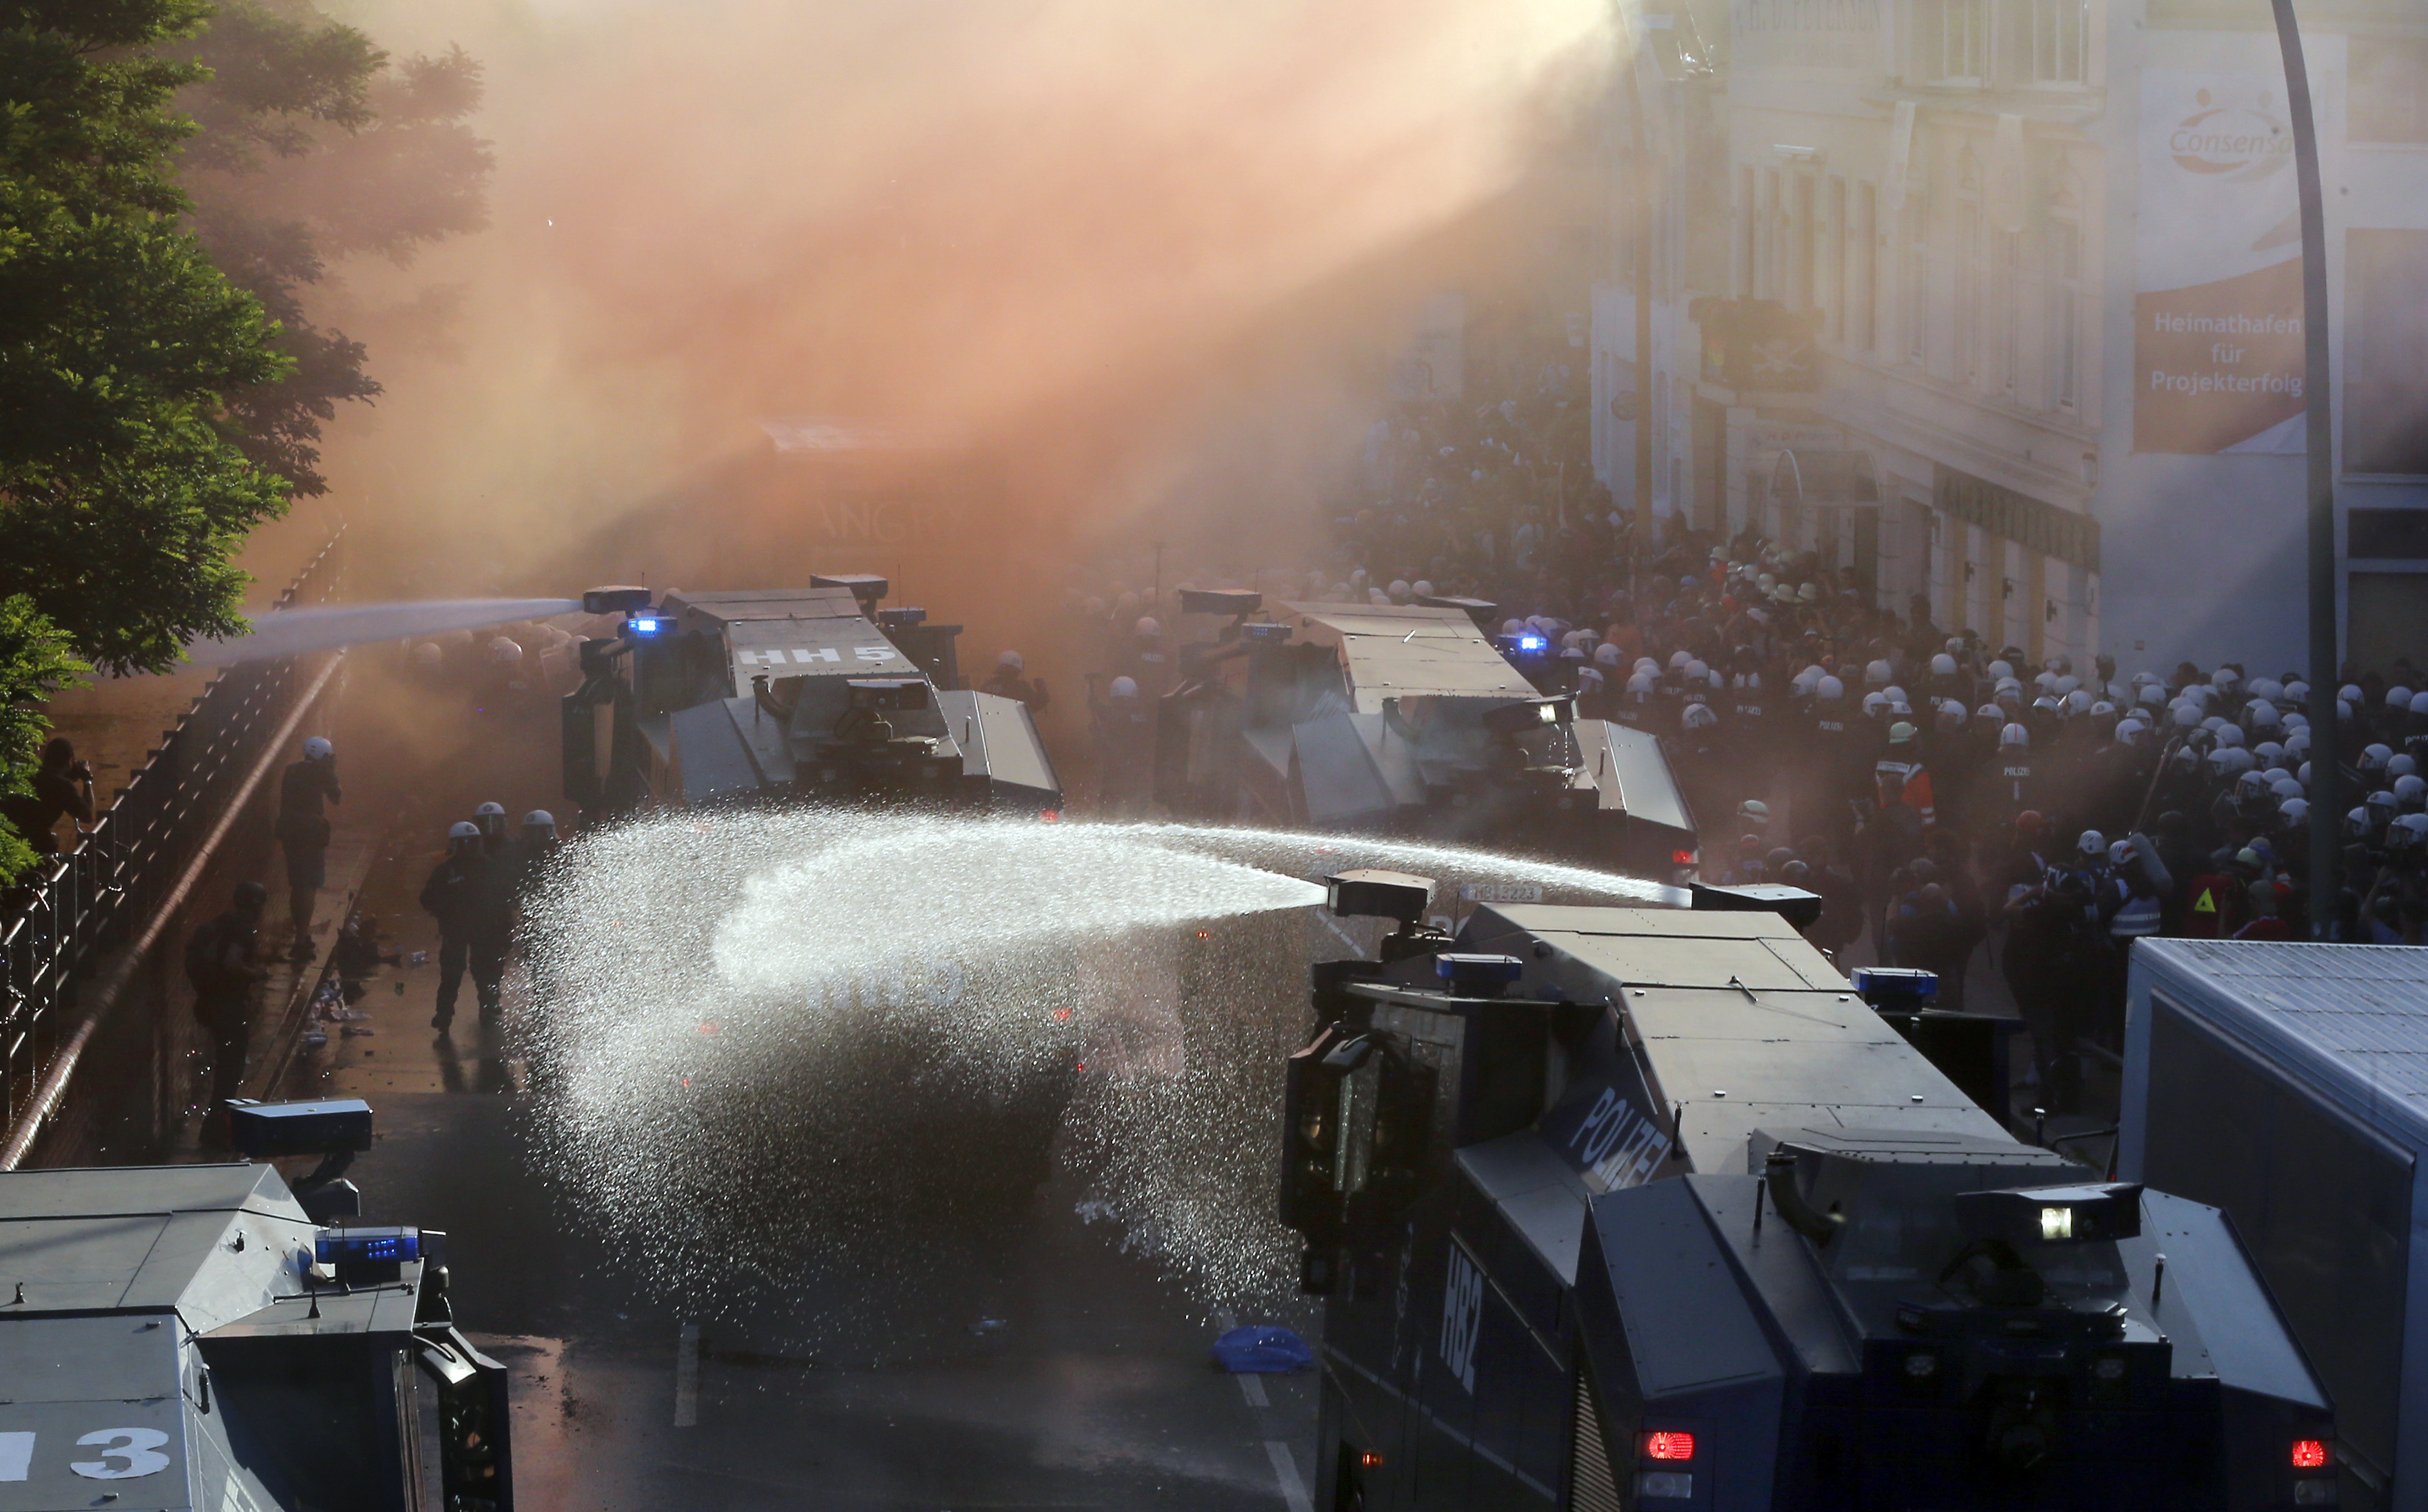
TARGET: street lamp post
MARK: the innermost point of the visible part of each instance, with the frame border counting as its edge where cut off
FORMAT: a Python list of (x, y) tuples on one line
[(2326, 799)]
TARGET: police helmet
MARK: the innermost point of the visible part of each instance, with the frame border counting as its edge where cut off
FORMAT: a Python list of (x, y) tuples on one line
[(2015, 737), (1124, 687), (317, 749)]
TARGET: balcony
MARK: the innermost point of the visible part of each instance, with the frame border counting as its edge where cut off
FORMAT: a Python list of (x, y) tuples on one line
[(1998, 44)]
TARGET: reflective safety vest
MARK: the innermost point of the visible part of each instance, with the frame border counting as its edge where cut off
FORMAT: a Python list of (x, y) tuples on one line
[(2138, 918)]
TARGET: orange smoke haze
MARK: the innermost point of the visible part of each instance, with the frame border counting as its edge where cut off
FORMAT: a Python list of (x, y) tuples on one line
[(1085, 245)]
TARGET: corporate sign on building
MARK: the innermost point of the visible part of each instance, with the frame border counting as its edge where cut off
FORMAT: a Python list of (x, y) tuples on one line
[(2217, 313)]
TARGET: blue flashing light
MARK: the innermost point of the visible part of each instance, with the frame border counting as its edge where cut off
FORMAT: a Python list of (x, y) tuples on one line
[(1461, 968), (1532, 643), (646, 624), (367, 1246)]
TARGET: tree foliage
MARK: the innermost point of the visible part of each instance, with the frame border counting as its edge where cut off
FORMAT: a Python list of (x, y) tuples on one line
[(123, 501), (314, 144), (35, 661)]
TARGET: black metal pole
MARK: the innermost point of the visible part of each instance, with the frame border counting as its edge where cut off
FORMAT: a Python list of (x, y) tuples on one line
[(2326, 772)]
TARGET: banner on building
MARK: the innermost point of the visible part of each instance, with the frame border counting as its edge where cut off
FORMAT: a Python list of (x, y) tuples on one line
[(2217, 312)]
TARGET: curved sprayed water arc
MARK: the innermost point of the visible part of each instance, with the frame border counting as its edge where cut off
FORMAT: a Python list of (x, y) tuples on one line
[(776, 1044)]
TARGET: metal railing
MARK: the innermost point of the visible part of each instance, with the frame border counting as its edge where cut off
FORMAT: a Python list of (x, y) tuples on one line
[(60, 919)]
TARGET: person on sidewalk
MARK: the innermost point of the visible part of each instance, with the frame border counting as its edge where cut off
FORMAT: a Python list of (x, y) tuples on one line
[(454, 895), (61, 786), (304, 833), (222, 964)]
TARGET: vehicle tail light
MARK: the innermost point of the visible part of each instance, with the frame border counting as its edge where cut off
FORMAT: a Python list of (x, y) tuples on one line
[(2309, 1454), (1670, 1444), (1682, 858)]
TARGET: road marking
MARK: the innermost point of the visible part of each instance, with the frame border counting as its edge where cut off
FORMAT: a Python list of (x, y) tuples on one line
[(1286, 1470), (687, 1377), (1252, 1387)]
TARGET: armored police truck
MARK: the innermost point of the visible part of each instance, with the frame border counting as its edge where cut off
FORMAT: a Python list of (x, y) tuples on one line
[(199, 1336), (1630, 1209), (811, 692), (1406, 720)]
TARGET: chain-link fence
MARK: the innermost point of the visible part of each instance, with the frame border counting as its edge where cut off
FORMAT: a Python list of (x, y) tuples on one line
[(59, 919)]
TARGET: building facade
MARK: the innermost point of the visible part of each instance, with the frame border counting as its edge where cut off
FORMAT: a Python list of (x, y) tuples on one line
[(2010, 316)]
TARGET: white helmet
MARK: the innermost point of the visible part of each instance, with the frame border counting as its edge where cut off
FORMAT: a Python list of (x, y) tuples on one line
[(2188, 716), (2066, 684), (428, 654), (317, 749), (2225, 679), (1148, 629), (1895, 694), (2014, 737), (1697, 670), (2001, 670), (1874, 701), (1698, 717), (1607, 654), (2228, 735), (2093, 843), (2294, 812), (462, 834), (2420, 703), (2374, 757), (1399, 591), (503, 648), (1422, 589), (1678, 659), (2076, 702), (1640, 683), (2260, 712), (2409, 791), (1124, 687), (2285, 787), (2401, 764), (1942, 665), (1009, 662), (540, 819), (1829, 689), (1877, 673), (2130, 730)]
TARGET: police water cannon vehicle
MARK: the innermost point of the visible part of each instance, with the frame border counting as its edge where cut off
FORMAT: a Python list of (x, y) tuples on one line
[(1618, 1207), (811, 692), (193, 1336), (1406, 720)]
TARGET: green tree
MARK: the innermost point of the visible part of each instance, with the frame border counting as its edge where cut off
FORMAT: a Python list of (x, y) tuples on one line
[(121, 501), (312, 145), (35, 661)]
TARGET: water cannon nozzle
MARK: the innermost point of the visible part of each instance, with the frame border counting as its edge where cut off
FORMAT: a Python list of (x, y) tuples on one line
[(1378, 895)]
